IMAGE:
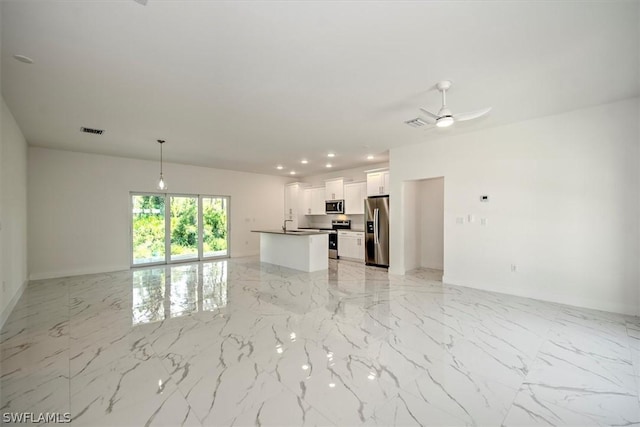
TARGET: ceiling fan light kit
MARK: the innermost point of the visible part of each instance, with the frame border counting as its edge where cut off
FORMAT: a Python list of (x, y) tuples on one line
[(445, 118), (444, 121)]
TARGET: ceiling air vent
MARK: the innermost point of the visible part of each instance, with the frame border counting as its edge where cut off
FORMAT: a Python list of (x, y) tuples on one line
[(93, 131), (416, 123)]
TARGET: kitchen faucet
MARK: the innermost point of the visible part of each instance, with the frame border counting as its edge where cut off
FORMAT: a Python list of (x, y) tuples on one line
[(284, 224)]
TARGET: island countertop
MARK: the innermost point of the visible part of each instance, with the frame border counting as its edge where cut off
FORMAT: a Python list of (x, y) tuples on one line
[(292, 232), (306, 250)]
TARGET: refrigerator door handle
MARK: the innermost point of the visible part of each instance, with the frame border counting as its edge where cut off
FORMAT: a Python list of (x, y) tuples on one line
[(376, 237)]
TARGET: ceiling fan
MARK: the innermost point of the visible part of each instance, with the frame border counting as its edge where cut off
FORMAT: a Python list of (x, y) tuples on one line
[(444, 118)]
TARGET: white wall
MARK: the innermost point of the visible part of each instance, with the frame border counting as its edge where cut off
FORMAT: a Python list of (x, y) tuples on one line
[(412, 224), (431, 198), (564, 206), (79, 207), (13, 212)]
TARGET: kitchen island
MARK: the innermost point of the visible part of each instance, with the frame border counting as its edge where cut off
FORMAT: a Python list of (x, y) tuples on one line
[(298, 249)]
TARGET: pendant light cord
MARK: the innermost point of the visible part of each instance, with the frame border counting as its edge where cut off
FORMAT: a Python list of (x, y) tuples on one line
[(161, 141)]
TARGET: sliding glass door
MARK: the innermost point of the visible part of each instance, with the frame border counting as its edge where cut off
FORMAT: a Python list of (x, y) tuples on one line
[(148, 229), (184, 228), (169, 228), (214, 226)]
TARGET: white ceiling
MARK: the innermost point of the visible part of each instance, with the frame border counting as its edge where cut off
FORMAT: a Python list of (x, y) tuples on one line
[(247, 85)]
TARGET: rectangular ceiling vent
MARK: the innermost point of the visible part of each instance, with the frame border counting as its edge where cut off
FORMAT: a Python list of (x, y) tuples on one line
[(93, 131), (416, 123)]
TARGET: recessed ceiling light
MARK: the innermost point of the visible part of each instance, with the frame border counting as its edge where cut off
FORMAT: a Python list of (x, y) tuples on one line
[(24, 59), (304, 161), (370, 157), (331, 155), (279, 167), (329, 165), (292, 172)]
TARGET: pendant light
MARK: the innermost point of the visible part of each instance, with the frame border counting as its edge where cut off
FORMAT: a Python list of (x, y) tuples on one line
[(162, 185)]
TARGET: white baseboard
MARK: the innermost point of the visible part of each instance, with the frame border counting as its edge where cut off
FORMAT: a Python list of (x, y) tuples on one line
[(14, 300), (571, 300), (77, 272), (237, 254)]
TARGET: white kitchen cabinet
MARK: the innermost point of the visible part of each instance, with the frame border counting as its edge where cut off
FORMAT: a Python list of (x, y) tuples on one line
[(334, 189), (293, 209), (351, 245), (306, 201), (354, 195), (378, 183), (313, 201), (317, 201)]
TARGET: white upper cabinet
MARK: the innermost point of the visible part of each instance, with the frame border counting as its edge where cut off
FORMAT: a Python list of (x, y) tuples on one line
[(306, 201), (378, 183), (313, 201), (317, 201), (334, 189), (290, 198), (293, 205), (354, 195)]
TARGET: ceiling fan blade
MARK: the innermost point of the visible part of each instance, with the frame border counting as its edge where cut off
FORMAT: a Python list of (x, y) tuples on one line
[(471, 115), (430, 114)]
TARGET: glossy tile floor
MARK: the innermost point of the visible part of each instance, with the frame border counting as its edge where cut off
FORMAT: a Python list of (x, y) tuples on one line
[(236, 342)]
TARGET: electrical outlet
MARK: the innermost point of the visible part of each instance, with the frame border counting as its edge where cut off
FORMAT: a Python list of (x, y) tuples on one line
[(514, 268)]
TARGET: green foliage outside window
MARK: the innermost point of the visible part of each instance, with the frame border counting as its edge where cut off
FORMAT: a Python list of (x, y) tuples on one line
[(148, 226)]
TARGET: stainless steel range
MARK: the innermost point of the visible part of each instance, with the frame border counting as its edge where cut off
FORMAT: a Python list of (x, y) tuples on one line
[(333, 237)]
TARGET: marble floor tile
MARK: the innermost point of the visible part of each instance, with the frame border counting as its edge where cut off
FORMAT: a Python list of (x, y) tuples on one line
[(125, 382), (237, 342), (408, 410), (539, 404), (170, 410)]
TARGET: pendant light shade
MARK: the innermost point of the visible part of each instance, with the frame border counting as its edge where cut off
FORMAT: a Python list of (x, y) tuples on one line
[(162, 184)]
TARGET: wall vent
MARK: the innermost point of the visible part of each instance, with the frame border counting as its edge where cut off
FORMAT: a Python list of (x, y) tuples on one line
[(416, 123), (93, 131)]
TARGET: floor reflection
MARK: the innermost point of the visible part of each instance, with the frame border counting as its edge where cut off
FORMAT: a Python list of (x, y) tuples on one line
[(165, 292)]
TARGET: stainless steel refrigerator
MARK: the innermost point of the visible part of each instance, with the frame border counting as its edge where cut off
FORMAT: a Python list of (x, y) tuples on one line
[(376, 211)]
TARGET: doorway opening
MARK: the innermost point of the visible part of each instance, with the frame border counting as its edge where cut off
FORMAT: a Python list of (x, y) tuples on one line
[(424, 226)]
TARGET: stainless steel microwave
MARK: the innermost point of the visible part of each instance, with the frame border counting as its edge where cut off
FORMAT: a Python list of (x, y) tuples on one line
[(334, 206)]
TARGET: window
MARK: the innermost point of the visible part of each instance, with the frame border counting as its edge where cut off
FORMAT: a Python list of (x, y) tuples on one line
[(168, 228)]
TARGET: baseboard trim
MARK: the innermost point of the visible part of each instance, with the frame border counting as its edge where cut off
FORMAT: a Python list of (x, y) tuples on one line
[(12, 304), (570, 300), (244, 254), (78, 272)]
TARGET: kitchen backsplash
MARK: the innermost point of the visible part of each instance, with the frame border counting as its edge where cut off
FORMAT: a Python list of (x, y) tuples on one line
[(324, 221)]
